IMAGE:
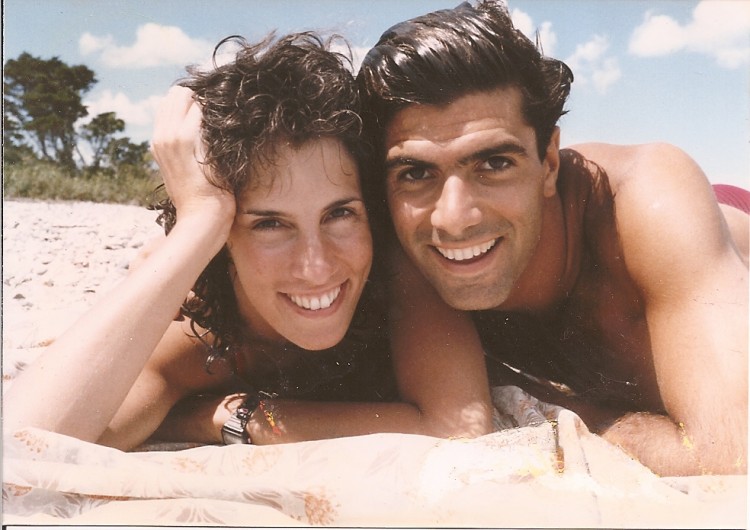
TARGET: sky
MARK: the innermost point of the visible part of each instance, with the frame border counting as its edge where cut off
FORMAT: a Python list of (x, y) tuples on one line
[(676, 71)]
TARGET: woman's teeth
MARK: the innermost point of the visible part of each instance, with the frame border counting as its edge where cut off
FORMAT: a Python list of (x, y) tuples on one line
[(314, 303), (461, 254)]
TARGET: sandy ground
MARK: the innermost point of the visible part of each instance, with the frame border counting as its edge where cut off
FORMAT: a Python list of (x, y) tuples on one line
[(59, 257)]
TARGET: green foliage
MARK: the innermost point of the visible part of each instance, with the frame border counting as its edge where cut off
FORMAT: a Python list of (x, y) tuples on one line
[(42, 100), (49, 181), (99, 132)]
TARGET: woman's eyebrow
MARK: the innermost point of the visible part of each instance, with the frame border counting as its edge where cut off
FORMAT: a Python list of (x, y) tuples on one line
[(341, 202), (261, 213), (278, 213)]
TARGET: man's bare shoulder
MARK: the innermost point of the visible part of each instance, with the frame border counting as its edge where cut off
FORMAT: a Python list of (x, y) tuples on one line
[(624, 164), (663, 205), (657, 180)]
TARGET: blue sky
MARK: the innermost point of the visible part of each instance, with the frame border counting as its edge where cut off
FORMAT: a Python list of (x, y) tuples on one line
[(669, 70)]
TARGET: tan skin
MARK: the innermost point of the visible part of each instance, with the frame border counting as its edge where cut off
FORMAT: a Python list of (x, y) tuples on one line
[(116, 374), (696, 329), (652, 269)]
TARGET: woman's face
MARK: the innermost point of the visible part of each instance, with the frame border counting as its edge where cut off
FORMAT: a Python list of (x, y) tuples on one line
[(301, 246)]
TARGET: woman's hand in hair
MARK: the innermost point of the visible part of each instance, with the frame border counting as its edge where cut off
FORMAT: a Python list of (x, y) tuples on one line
[(178, 149)]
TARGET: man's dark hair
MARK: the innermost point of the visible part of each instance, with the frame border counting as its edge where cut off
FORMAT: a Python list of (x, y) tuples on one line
[(289, 90), (436, 58)]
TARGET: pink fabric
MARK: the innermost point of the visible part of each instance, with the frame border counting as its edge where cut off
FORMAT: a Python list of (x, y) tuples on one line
[(733, 196)]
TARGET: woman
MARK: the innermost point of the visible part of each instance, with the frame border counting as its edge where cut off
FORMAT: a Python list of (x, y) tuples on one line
[(271, 238)]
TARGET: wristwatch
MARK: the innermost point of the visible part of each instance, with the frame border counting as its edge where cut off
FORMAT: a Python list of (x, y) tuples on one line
[(233, 431)]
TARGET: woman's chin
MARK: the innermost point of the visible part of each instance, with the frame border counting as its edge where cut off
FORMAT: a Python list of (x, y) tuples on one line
[(317, 341)]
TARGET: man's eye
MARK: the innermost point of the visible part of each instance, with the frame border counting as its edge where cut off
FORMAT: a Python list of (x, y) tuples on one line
[(414, 174), (496, 163)]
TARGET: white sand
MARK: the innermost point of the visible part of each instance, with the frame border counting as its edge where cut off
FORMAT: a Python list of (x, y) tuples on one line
[(59, 257)]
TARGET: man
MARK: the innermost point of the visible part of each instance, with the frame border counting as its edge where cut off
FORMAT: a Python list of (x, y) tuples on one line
[(609, 275)]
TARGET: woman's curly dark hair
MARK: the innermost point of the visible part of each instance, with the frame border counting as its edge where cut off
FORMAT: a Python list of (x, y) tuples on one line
[(288, 90)]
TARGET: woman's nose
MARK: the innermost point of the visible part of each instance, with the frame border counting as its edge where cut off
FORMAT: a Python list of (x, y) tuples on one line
[(313, 261)]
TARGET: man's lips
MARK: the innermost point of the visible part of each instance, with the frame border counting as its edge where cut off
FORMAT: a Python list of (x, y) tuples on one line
[(458, 254)]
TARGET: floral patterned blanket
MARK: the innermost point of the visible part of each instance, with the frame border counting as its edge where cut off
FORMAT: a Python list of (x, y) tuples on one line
[(549, 471)]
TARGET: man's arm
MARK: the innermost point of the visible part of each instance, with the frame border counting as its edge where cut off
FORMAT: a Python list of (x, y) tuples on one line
[(694, 284), (438, 358)]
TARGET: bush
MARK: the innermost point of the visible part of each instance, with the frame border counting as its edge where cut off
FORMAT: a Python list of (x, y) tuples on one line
[(47, 181)]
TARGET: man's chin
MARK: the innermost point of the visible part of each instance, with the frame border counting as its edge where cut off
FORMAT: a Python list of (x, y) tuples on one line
[(469, 298)]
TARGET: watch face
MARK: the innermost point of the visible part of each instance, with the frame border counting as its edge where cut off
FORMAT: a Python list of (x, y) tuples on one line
[(233, 431)]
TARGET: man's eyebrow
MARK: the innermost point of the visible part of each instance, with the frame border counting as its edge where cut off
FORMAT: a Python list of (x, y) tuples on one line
[(504, 148), (397, 161)]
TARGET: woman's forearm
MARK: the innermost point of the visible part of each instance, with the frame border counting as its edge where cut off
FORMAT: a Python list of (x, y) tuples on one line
[(77, 385), (200, 419), (284, 421)]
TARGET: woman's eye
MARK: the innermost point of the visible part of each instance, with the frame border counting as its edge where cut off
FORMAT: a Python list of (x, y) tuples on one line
[(267, 224), (341, 213)]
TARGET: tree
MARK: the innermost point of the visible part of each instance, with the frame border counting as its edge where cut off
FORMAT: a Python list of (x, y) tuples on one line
[(124, 152), (100, 132), (42, 98)]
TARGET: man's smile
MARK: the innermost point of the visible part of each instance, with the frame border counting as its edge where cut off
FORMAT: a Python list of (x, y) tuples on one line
[(466, 253)]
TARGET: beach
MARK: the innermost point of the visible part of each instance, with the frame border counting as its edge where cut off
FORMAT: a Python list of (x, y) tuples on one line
[(60, 257)]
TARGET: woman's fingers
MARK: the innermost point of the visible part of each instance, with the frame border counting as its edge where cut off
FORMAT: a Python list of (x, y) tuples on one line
[(178, 148)]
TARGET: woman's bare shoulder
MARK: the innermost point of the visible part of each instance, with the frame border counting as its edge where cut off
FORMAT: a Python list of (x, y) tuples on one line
[(182, 359)]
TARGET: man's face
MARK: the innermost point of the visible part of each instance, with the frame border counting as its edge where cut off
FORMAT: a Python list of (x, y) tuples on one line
[(466, 191)]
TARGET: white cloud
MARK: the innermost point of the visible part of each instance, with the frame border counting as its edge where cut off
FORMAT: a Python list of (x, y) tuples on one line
[(89, 43), (525, 24), (358, 55), (138, 113), (154, 45), (719, 28), (591, 64), (548, 38), (606, 74)]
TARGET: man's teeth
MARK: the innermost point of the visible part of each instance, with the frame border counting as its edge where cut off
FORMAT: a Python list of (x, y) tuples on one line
[(314, 303), (461, 254)]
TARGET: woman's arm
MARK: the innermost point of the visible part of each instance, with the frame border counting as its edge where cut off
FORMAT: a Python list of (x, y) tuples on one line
[(83, 377), (200, 419)]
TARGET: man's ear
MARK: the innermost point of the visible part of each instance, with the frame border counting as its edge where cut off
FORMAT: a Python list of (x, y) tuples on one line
[(551, 164)]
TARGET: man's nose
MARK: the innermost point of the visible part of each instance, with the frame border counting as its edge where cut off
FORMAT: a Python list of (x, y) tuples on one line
[(455, 209), (313, 260)]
